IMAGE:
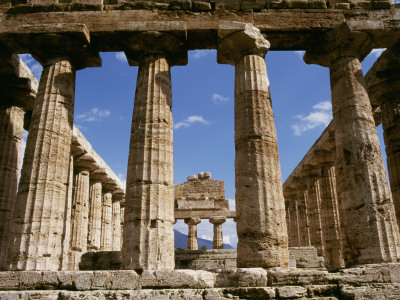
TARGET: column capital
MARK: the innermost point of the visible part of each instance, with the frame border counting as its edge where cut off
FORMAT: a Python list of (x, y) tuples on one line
[(341, 42), (237, 39), (74, 47), (192, 221), (171, 45), (118, 196), (217, 220)]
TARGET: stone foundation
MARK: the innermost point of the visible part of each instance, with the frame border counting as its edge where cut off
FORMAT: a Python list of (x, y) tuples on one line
[(380, 281)]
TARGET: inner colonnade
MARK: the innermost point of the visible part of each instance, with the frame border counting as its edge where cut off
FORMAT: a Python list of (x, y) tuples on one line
[(367, 214)]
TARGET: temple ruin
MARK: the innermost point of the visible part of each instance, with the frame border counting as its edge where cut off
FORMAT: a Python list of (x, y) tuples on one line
[(337, 200)]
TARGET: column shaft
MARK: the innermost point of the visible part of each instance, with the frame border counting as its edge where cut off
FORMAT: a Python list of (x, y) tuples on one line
[(294, 226), (304, 228), (367, 209), (192, 243), (149, 209), (79, 217), (116, 224), (331, 219), (314, 215), (390, 107), (218, 239), (40, 206), (106, 222), (94, 226), (11, 129), (260, 206)]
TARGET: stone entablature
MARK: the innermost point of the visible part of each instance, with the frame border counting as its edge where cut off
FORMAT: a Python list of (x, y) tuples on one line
[(195, 6), (201, 193)]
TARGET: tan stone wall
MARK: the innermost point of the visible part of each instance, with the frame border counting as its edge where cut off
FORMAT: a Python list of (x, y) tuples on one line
[(197, 188)]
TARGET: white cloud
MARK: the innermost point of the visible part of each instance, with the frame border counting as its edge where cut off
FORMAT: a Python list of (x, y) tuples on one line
[(321, 116), (219, 98), (232, 204), (120, 56), (35, 67), (300, 54), (122, 178), (191, 120), (94, 114), (206, 237), (378, 52), (196, 54)]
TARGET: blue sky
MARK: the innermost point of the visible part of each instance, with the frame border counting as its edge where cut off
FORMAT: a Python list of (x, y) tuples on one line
[(203, 99)]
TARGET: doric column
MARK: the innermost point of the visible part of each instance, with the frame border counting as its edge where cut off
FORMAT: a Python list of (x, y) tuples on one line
[(367, 211), (16, 95), (40, 209), (116, 220), (79, 217), (314, 214), (302, 210), (331, 218), (218, 240), (292, 220), (11, 129), (94, 226), (384, 90), (260, 206), (192, 235), (122, 221), (149, 208), (106, 222)]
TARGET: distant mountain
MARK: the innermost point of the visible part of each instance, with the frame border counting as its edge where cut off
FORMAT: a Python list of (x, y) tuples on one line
[(181, 241)]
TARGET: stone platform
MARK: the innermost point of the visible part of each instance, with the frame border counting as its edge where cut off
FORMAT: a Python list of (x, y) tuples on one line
[(381, 281)]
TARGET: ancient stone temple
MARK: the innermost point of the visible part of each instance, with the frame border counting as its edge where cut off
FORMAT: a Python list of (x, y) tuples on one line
[(337, 200)]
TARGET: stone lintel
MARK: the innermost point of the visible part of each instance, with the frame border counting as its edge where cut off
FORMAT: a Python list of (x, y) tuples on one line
[(169, 44), (50, 40), (206, 214), (85, 156), (340, 42), (236, 39)]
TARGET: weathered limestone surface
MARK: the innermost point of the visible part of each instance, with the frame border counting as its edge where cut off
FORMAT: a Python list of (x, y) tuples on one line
[(39, 211), (116, 221), (366, 206), (79, 217), (304, 227), (383, 86), (368, 282), (330, 218), (314, 215), (18, 88), (149, 205), (106, 222), (218, 240), (261, 223), (201, 186), (94, 226), (192, 233), (11, 129)]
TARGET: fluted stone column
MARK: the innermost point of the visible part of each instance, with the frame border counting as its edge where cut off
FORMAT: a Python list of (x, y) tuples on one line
[(218, 239), (11, 129), (304, 226), (314, 214), (95, 208), (122, 221), (367, 210), (192, 243), (106, 222), (293, 221), (260, 206), (149, 205), (331, 218), (116, 221), (40, 209), (79, 217)]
